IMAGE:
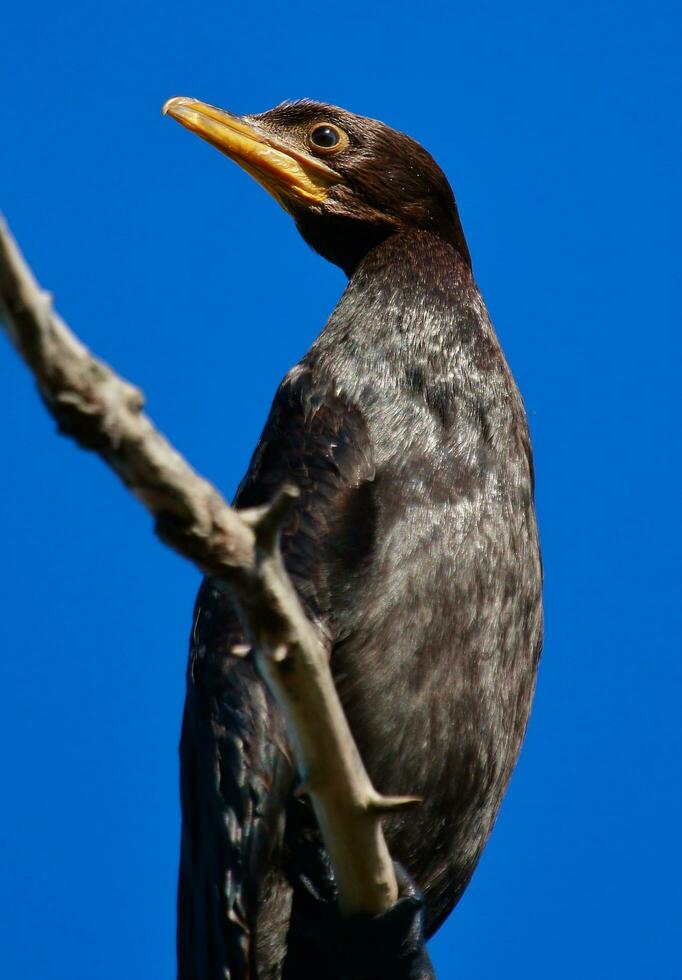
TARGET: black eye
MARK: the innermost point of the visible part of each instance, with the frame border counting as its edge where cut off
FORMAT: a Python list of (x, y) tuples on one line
[(325, 137)]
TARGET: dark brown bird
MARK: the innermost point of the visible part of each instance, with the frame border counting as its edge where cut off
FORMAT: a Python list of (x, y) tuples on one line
[(413, 546)]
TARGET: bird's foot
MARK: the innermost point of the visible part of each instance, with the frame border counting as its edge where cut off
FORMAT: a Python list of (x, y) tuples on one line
[(390, 946)]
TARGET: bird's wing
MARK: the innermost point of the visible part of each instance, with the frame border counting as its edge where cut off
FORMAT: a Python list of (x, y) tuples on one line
[(315, 439), (236, 768)]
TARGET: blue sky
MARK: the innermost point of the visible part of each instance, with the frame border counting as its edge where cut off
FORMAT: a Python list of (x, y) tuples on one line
[(558, 126)]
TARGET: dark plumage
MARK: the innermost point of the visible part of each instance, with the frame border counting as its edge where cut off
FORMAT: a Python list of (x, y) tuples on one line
[(413, 546)]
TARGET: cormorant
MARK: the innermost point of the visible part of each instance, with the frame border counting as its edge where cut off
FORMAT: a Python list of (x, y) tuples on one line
[(413, 546)]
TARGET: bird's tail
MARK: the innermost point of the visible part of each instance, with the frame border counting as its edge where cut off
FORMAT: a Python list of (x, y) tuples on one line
[(235, 775)]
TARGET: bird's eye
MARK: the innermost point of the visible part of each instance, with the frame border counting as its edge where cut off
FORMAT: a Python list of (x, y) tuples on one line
[(327, 138)]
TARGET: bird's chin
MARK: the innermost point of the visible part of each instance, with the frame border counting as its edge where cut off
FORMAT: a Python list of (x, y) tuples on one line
[(341, 238)]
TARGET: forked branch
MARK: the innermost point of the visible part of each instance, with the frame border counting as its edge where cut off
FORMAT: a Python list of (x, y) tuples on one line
[(104, 413)]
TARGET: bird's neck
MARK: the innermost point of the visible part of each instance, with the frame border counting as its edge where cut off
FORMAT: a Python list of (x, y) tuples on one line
[(412, 311)]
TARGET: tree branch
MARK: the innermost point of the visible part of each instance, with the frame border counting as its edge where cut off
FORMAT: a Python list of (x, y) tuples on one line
[(103, 412)]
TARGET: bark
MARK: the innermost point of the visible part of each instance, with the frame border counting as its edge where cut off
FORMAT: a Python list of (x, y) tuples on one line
[(104, 413)]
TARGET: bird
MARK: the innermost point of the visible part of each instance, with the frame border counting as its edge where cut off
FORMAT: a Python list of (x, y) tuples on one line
[(412, 544)]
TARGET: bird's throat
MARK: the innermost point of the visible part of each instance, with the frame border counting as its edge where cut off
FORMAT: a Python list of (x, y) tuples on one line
[(345, 244)]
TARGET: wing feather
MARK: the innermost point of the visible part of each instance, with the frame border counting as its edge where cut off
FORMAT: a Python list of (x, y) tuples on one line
[(236, 768)]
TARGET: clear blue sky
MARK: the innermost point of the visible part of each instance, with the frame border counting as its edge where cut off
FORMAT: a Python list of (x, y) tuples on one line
[(558, 125)]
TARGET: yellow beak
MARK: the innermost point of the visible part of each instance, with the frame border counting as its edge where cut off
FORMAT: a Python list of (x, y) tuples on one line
[(289, 174)]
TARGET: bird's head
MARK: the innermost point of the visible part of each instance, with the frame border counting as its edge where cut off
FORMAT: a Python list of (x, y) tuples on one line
[(349, 182)]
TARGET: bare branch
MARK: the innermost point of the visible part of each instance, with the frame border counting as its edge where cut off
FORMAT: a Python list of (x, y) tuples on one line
[(102, 412)]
